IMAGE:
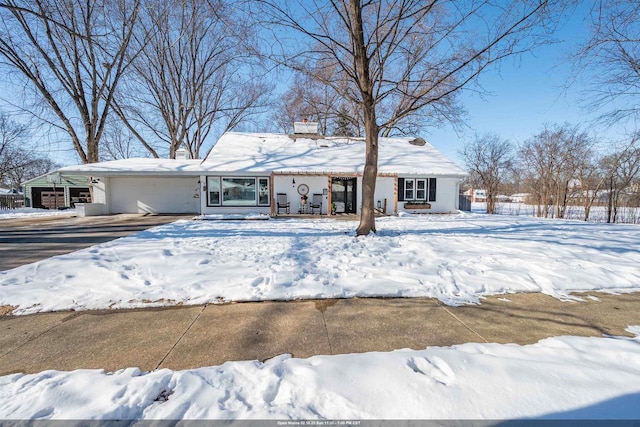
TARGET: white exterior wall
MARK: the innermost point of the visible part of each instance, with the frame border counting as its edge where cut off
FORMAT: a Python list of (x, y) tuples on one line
[(284, 184), (153, 195), (99, 190), (384, 190), (446, 197)]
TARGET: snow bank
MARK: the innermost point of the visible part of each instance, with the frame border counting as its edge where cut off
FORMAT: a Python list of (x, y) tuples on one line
[(557, 378), (33, 212), (227, 217), (455, 258)]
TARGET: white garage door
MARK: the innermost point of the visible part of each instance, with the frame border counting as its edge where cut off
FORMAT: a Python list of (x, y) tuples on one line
[(154, 195)]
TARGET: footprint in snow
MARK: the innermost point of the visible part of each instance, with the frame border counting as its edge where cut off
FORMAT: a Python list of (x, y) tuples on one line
[(433, 367)]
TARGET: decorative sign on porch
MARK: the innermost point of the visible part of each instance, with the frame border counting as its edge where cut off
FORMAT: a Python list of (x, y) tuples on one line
[(303, 189)]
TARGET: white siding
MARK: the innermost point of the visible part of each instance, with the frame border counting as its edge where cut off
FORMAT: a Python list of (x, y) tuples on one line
[(446, 197), (284, 184), (384, 190), (99, 190), (153, 195)]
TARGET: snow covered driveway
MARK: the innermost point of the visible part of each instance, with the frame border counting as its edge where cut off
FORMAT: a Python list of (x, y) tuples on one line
[(455, 258)]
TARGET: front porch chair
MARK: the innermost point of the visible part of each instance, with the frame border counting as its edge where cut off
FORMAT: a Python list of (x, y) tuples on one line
[(282, 203), (316, 203)]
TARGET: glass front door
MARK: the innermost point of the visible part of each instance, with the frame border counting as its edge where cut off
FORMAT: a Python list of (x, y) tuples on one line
[(344, 194)]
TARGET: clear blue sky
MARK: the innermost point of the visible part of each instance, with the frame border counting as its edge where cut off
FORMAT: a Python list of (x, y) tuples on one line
[(524, 94)]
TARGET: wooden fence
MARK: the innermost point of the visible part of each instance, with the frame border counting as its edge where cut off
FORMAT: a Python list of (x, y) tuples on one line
[(11, 201)]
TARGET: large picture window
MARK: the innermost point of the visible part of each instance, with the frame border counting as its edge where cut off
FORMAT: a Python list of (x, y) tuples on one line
[(238, 191), (422, 189)]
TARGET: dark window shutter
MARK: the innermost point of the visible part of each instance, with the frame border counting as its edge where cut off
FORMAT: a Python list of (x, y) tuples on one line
[(400, 189), (432, 189)]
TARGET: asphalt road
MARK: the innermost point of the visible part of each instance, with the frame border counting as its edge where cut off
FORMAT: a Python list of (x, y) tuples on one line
[(27, 240)]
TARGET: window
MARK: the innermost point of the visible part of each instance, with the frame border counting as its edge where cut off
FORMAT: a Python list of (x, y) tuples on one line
[(408, 189), (432, 189), (263, 191), (417, 189), (213, 187), (238, 191), (421, 189)]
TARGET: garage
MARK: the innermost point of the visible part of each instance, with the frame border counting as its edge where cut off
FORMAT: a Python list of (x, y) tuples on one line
[(48, 198), (55, 191), (154, 194)]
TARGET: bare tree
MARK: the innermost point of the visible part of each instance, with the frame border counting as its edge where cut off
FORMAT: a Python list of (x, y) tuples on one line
[(402, 59), (35, 167), (18, 162), (119, 143), (12, 137), (551, 163), (609, 61), (192, 77), (621, 171), (490, 158), (309, 99), (73, 68)]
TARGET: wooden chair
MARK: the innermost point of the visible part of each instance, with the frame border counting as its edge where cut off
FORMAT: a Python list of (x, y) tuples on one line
[(282, 203), (316, 203)]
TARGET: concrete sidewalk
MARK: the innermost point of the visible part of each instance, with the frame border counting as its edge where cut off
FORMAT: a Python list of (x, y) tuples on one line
[(197, 336)]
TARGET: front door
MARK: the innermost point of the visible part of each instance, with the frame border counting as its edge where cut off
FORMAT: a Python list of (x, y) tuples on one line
[(344, 195)]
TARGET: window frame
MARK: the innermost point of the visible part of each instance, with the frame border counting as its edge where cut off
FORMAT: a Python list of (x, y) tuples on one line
[(429, 189), (267, 190), (257, 180), (412, 189), (424, 189), (209, 180)]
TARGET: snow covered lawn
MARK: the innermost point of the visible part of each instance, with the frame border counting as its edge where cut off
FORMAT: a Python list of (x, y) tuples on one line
[(557, 378), (455, 258), (33, 212)]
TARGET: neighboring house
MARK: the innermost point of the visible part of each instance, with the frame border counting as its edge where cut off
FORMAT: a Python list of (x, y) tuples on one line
[(476, 195), (520, 197), (245, 172), (56, 191)]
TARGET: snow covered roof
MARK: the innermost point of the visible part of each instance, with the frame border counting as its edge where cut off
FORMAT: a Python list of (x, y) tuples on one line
[(139, 166), (254, 153)]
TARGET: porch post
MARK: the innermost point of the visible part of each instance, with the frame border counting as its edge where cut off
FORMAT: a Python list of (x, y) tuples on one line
[(271, 199), (329, 195), (395, 195)]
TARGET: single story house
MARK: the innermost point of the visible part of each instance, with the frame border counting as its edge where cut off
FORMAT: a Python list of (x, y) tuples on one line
[(276, 174)]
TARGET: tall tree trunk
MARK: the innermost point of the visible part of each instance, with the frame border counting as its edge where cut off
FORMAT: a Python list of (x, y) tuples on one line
[(367, 217), (93, 154), (610, 201), (365, 85)]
